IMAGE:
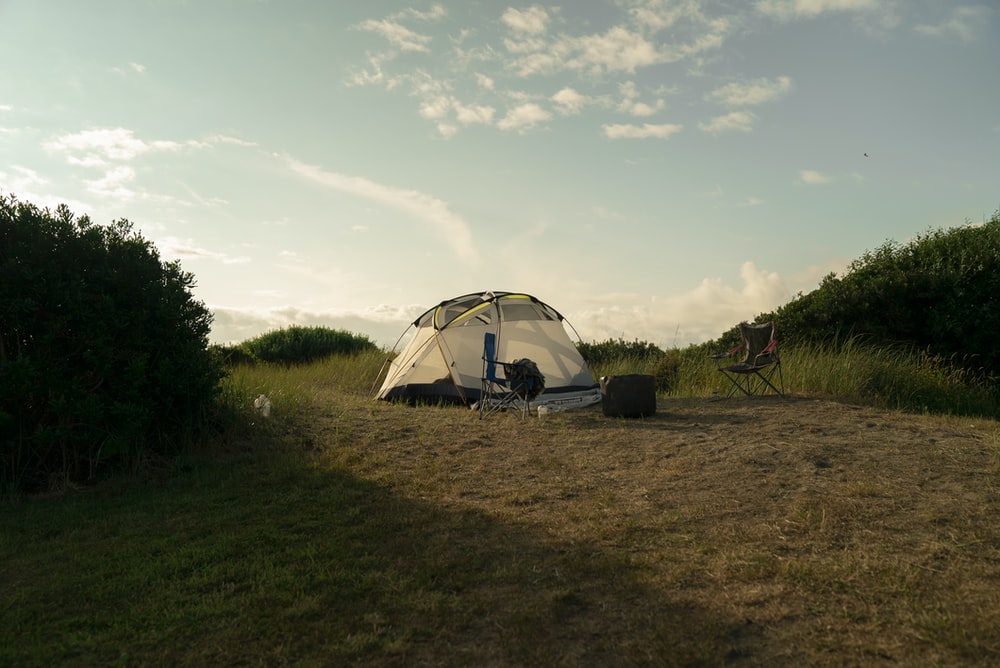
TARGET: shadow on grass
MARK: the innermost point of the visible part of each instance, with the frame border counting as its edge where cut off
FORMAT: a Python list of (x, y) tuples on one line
[(275, 561)]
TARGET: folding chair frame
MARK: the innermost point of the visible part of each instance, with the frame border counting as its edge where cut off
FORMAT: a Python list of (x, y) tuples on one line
[(752, 376), (499, 394)]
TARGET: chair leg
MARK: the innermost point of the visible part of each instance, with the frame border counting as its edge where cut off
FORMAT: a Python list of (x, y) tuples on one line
[(490, 402), (737, 384), (766, 380)]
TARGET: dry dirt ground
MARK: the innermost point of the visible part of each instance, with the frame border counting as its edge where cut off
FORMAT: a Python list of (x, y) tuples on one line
[(762, 531)]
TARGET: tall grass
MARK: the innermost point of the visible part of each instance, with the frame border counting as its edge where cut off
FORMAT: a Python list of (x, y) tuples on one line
[(897, 377), (894, 377), (290, 388)]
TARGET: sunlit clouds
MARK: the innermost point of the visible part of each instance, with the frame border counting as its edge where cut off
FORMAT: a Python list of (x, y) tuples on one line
[(791, 9), (536, 46), (655, 169), (670, 320), (757, 91), (102, 145), (813, 178), (644, 131), (736, 120), (963, 24), (448, 227), (187, 249)]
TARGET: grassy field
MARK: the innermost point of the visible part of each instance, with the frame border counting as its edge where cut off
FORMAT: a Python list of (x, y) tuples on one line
[(340, 531)]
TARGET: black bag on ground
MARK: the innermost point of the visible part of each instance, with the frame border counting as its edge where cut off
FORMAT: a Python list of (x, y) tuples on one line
[(632, 395)]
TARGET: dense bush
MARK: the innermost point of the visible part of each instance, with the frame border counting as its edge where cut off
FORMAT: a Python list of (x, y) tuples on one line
[(297, 345), (939, 293), (620, 356), (614, 349), (103, 350)]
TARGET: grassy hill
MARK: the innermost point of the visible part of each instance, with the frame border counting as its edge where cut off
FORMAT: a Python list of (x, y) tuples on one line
[(770, 531)]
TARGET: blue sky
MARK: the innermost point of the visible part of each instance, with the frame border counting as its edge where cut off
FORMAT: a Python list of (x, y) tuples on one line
[(654, 169)]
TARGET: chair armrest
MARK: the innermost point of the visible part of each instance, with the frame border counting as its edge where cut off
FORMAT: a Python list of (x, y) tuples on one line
[(728, 353), (769, 351)]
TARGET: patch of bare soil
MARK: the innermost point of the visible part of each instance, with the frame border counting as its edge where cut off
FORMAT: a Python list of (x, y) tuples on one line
[(764, 531)]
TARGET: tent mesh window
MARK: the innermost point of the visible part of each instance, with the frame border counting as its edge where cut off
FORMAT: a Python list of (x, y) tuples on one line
[(523, 311)]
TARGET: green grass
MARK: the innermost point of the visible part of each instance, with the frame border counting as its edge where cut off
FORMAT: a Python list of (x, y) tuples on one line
[(225, 560), (883, 376)]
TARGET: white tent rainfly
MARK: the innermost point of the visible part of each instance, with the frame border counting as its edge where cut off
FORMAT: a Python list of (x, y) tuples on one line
[(443, 361)]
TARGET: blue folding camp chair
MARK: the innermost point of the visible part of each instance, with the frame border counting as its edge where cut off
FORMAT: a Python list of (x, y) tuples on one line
[(521, 383)]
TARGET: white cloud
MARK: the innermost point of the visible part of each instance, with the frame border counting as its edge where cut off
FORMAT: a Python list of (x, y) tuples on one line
[(186, 249), (470, 114), (131, 68), (737, 120), (751, 93), (448, 225), (446, 129), (96, 147), (569, 101), (643, 109), (22, 183), (619, 49), (645, 131), (435, 107), (631, 105), (786, 10), (114, 183), (812, 177), (700, 315), (110, 149), (438, 105), (524, 117), (531, 21), (382, 324), (398, 35), (963, 24), (657, 15), (531, 49), (373, 75), (485, 82), (24, 179), (437, 11), (616, 50), (233, 141)]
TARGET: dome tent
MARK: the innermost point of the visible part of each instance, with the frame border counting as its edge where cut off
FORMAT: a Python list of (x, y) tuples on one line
[(443, 361)]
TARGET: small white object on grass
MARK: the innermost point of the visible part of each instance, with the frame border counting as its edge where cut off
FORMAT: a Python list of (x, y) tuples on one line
[(262, 405)]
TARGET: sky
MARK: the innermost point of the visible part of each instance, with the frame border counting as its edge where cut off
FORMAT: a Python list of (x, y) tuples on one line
[(656, 170)]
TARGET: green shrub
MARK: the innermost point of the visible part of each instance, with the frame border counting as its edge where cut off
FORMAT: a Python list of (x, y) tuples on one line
[(228, 355), (618, 349), (103, 350), (937, 293), (300, 345)]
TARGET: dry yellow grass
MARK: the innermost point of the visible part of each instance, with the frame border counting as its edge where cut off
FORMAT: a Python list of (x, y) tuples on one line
[(765, 531), (748, 532)]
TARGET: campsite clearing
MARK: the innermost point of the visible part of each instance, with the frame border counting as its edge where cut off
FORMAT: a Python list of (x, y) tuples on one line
[(777, 531), (766, 531)]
